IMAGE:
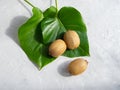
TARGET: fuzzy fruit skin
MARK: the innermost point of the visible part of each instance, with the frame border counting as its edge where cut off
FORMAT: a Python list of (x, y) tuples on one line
[(77, 66), (57, 48), (72, 39)]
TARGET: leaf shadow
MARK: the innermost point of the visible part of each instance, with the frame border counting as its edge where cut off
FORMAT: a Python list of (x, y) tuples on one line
[(62, 69), (16, 22), (12, 30), (25, 6), (50, 2)]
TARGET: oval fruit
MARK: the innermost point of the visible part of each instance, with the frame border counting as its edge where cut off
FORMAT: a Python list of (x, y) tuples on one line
[(72, 39), (57, 48), (77, 66)]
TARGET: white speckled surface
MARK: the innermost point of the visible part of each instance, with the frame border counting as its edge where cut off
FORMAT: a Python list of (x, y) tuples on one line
[(103, 22)]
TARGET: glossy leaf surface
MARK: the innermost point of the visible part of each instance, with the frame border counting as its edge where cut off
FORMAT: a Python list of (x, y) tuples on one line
[(30, 40)]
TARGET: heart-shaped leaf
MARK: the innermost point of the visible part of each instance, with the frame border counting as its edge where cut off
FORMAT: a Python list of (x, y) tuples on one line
[(72, 20), (30, 40)]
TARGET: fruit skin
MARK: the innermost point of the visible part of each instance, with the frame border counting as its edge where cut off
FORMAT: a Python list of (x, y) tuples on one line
[(57, 48), (77, 66), (71, 39)]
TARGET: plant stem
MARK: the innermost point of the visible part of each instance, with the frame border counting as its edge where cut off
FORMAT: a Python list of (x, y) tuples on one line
[(56, 4), (29, 3)]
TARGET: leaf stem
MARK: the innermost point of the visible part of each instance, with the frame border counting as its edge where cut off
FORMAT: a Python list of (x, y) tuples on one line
[(29, 3), (56, 4)]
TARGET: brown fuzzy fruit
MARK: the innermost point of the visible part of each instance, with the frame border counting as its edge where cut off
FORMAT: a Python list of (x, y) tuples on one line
[(72, 39), (77, 66), (57, 48)]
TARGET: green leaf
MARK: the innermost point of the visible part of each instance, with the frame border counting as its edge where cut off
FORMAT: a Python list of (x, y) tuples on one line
[(30, 38), (51, 29), (51, 26), (50, 12), (72, 20)]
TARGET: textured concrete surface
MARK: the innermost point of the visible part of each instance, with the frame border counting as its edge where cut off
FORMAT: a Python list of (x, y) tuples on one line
[(102, 18)]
